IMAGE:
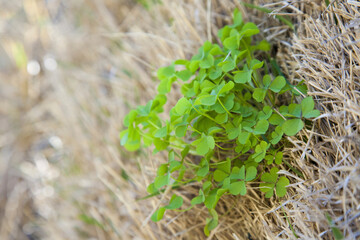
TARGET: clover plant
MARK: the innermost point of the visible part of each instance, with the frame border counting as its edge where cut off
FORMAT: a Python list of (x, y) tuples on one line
[(226, 130)]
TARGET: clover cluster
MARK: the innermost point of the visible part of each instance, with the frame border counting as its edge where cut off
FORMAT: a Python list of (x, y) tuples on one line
[(231, 115)]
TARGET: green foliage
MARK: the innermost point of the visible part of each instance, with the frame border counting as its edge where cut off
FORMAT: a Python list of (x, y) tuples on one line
[(335, 230), (90, 220), (272, 182), (230, 116), (147, 4)]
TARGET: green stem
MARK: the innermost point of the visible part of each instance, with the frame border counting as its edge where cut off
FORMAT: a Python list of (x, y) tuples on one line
[(191, 151), (182, 210), (194, 129), (293, 169), (191, 164), (247, 48), (153, 124), (205, 115), (224, 107), (291, 227), (220, 147)]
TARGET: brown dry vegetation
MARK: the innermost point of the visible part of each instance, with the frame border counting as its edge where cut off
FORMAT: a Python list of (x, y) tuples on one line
[(63, 173)]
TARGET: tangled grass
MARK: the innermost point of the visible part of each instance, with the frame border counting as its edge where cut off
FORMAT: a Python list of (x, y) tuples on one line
[(63, 174)]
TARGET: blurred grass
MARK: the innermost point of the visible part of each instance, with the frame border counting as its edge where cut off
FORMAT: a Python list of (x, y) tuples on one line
[(63, 174)]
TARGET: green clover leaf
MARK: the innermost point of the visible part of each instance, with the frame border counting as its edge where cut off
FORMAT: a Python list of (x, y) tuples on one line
[(175, 202), (219, 175), (260, 151), (292, 126), (278, 84), (271, 182), (184, 75), (182, 106), (249, 29), (281, 186), (238, 188), (265, 113), (232, 43), (307, 108), (261, 127), (243, 76), (259, 94), (276, 135), (198, 199), (158, 214)]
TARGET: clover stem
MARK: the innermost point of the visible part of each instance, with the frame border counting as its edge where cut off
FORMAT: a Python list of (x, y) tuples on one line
[(143, 134), (249, 53), (239, 97), (153, 124), (205, 115), (256, 137), (272, 99), (229, 76), (224, 139), (251, 88), (253, 82), (192, 164), (256, 79), (195, 129), (182, 210), (219, 146), (192, 152), (294, 169), (224, 107)]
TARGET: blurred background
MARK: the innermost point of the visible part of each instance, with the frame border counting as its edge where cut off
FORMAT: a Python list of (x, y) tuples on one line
[(63, 85), (71, 70)]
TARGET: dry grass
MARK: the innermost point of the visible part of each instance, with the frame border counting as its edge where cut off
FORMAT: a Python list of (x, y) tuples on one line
[(328, 58), (62, 171)]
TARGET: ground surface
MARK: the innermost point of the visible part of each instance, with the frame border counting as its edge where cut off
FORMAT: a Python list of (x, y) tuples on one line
[(63, 173)]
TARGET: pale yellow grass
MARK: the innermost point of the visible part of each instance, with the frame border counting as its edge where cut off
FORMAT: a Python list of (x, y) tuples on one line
[(59, 146)]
